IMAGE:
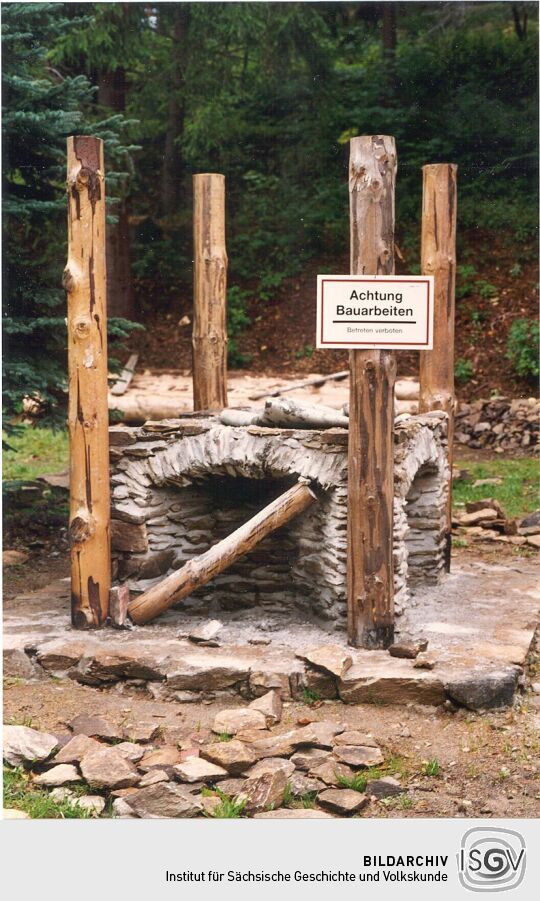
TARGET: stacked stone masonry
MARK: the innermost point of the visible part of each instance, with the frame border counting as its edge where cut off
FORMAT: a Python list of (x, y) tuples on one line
[(179, 486)]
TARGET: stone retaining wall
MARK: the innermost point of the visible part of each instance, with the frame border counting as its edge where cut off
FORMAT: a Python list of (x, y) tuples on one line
[(500, 424), (178, 486)]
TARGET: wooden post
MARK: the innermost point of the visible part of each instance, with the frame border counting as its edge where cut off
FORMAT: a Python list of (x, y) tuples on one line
[(210, 294), (439, 259), (88, 418), (202, 569), (370, 571)]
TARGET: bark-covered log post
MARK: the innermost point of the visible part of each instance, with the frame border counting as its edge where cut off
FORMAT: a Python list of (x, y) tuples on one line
[(210, 293), (200, 570), (439, 259), (85, 282), (370, 571)]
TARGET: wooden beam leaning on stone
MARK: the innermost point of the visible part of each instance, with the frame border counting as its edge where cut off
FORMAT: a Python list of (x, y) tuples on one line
[(202, 569)]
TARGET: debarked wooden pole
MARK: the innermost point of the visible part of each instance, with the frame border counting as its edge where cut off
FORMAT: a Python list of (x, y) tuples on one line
[(202, 569), (88, 416), (439, 204), (370, 570), (209, 338)]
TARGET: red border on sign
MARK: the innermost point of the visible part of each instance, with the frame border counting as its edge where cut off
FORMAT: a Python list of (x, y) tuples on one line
[(418, 281)]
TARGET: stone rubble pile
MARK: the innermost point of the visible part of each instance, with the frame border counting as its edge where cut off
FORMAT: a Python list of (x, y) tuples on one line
[(500, 424), (312, 770), (485, 520), (246, 762)]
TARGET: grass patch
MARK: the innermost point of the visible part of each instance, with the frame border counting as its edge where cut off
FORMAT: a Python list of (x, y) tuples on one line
[(35, 451), (22, 721), (394, 765), (305, 801), (288, 797), (399, 802), (224, 736), (432, 767), (309, 696), (519, 492), (229, 809), (357, 782), (11, 682), (37, 803)]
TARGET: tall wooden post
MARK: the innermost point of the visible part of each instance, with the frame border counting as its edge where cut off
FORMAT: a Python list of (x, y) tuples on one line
[(370, 579), (88, 416), (439, 259), (210, 293)]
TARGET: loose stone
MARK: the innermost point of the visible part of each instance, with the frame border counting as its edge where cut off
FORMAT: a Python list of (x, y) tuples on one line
[(270, 705), (358, 756), (383, 788), (308, 758), (94, 726), (333, 658), (107, 769), (93, 803), (271, 765), (264, 791), (232, 721), (196, 769), (153, 777), (407, 649), (425, 661), (331, 772), (356, 738), (24, 746), (59, 775), (233, 756), (344, 801), (167, 756), (77, 748), (166, 799), (141, 732), (130, 750), (206, 632)]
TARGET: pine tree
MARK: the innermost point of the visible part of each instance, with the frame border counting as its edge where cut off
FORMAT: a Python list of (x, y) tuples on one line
[(41, 107)]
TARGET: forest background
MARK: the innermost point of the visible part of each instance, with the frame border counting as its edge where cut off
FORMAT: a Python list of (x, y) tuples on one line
[(268, 94)]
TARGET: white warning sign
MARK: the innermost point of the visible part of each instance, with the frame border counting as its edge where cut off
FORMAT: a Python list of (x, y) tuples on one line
[(376, 311)]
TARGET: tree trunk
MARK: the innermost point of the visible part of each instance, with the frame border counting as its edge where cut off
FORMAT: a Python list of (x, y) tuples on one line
[(439, 259), (389, 42), (284, 412), (209, 337), (172, 170), (112, 89), (370, 575), (520, 26), (202, 569), (88, 421), (119, 277)]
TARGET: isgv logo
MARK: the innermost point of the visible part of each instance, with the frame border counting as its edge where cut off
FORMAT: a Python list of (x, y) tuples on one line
[(491, 860)]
